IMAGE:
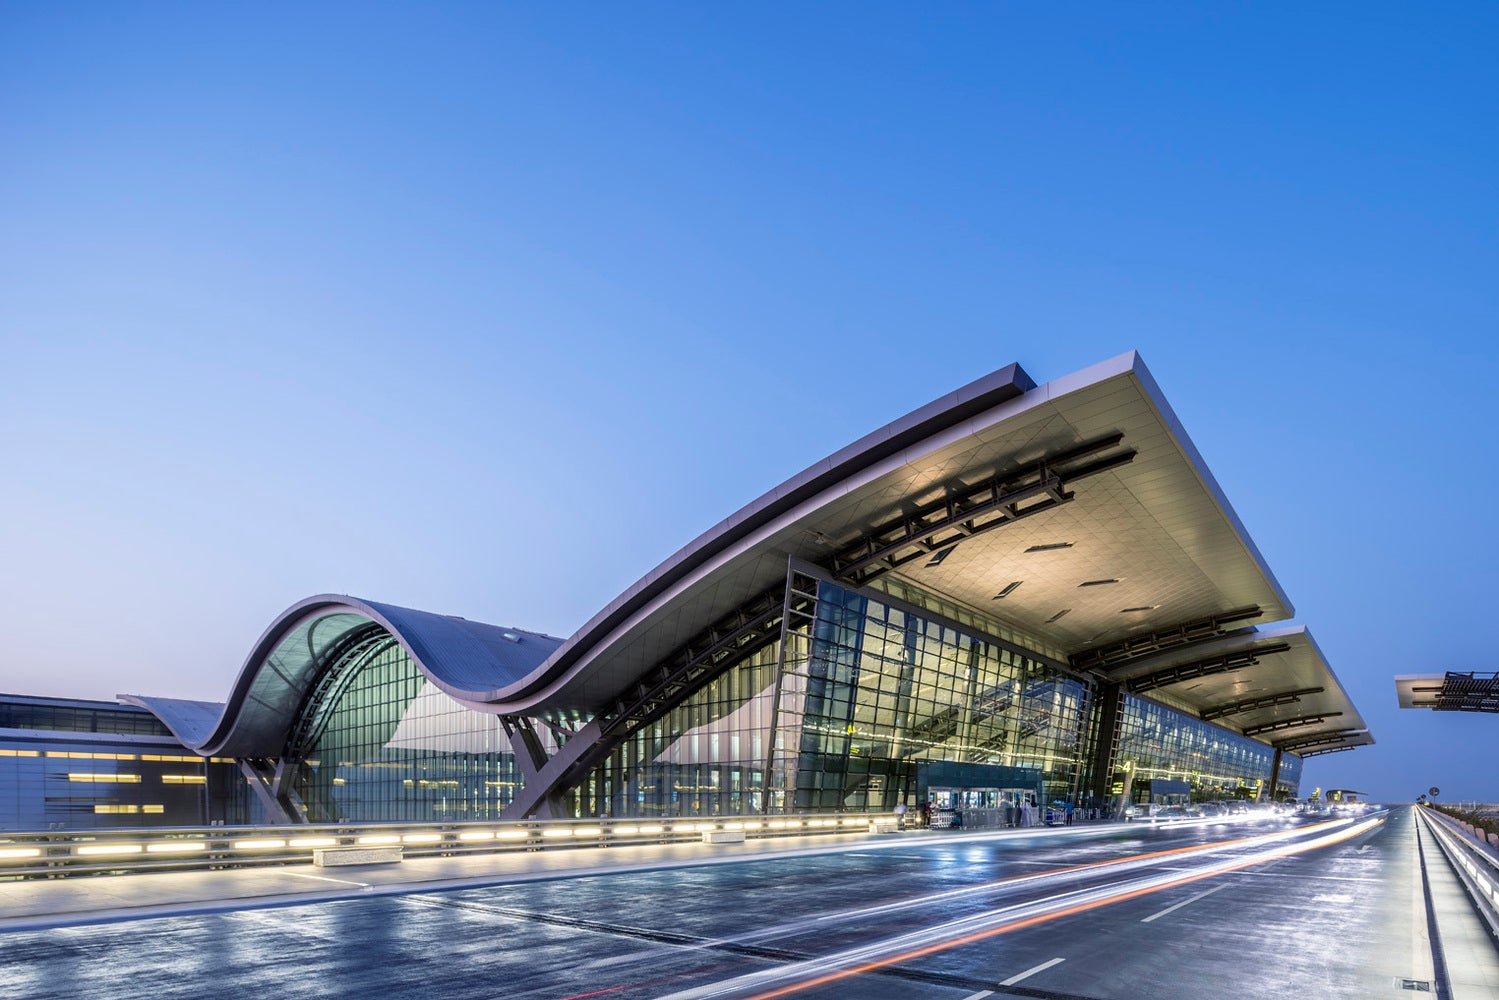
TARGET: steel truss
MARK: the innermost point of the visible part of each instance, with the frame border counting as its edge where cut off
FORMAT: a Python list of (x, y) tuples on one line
[(1203, 668), (1127, 651), (1255, 704), (1305, 720), (934, 528), (1296, 744), (705, 657), (1319, 753), (1468, 692)]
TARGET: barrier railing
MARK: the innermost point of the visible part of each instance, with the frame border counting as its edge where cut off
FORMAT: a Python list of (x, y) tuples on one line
[(1476, 869), (54, 853)]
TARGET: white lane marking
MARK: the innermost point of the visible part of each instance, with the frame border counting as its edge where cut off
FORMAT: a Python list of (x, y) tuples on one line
[(979, 995), (324, 878), (1190, 899), (1028, 973)]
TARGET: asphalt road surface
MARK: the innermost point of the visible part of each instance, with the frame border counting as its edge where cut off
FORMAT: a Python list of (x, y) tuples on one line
[(1269, 910)]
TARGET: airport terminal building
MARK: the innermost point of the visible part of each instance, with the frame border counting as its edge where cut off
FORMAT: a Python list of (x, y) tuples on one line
[(1016, 591)]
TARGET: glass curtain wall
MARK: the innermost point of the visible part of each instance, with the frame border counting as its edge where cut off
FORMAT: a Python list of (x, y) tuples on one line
[(888, 689), (1218, 764), (706, 757), (1289, 785), (382, 744), (867, 691)]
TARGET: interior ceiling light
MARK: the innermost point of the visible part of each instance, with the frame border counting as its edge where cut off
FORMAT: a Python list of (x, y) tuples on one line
[(1009, 589), (936, 560), (1097, 583), (1147, 607), (1057, 616), (1049, 547)]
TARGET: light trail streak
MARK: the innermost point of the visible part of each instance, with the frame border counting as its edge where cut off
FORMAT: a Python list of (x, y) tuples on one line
[(1127, 863), (918, 944)]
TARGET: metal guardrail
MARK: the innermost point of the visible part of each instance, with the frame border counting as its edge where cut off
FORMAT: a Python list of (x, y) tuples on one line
[(1476, 869), (55, 853)]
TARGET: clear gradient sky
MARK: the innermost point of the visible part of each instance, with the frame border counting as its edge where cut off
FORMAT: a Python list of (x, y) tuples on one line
[(487, 309)]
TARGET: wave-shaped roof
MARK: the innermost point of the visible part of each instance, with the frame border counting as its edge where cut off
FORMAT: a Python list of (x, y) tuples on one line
[(1145, 544), (458, 655)]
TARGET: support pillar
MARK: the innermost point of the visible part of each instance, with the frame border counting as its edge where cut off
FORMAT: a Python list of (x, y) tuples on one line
[(1274, 773), (1107, 700)]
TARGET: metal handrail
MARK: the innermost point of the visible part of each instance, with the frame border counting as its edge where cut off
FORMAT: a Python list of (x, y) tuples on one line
[(53, 853), (1475, 869)]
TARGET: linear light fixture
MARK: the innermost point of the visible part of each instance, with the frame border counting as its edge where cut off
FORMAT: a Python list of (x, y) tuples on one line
[(1009, 589), (936, 560), (1050, 547)]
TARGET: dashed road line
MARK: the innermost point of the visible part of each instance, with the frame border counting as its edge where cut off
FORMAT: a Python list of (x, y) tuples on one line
[(1190, 899), (1031, 972), (324, 878)]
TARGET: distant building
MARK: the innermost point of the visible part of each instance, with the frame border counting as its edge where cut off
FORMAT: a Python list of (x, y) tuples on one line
[(1015, 592), (78, 765)]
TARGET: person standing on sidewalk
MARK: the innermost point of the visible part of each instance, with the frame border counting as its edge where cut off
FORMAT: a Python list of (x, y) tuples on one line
[(1069, 813)]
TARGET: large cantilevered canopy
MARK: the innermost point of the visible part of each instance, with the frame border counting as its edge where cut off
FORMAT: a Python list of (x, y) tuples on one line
[(1077, 512), (1269, 683), (1115, 530)]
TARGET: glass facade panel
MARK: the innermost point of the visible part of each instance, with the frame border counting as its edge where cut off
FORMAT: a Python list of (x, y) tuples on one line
[(706, 757), (889, 689), (1216, 763), (383, 744), (863, 698)]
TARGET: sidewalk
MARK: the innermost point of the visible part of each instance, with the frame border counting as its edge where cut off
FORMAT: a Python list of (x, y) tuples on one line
[(45, 903), (1468, 951)]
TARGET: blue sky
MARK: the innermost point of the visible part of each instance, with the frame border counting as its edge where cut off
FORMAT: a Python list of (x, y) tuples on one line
[(487, 309)]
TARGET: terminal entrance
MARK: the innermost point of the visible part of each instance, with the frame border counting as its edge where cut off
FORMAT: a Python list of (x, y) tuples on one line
[(981, 808), (978, 796)]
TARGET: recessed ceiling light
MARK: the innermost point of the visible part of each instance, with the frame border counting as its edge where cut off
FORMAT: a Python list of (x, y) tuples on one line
[(1147, 607), (1009, 589), (936, 560), (1057, 616), (1096, 583), (1049, 547)]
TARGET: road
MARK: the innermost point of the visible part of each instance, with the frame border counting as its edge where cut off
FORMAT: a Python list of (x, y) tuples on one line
[(1202, 911)]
